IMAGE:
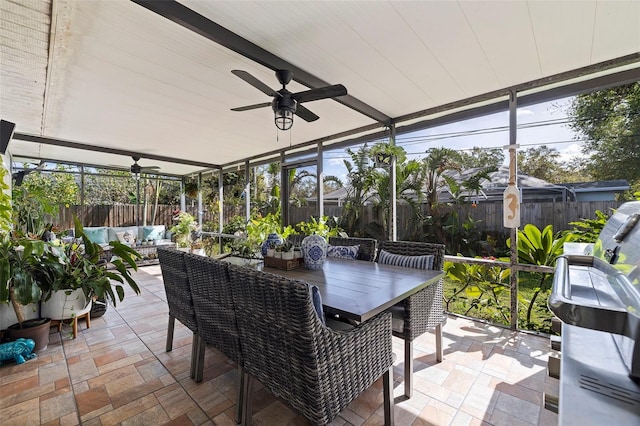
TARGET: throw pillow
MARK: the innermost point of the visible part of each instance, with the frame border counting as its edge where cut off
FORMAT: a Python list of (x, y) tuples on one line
[(126, 237), (343, 252), (317, 302), (153, 232), (97, 235), (417, 262)]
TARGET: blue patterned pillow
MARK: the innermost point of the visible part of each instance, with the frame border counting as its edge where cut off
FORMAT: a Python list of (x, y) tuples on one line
[(417, 262), (343, 252)]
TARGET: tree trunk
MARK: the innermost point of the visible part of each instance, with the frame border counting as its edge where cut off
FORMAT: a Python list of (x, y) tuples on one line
[(17, 307), (155, 204)]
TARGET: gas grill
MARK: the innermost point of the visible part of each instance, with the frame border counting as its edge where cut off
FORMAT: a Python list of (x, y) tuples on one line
[(596, 295)]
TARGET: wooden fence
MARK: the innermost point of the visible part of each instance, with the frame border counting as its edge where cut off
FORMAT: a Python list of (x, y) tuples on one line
[(489, 215), (120, 215)]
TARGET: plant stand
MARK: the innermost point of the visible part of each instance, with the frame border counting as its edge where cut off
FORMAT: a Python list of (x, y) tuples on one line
[(65, 305), (73, 322)]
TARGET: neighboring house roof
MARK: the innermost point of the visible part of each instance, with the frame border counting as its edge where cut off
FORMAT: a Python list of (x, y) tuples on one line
[(492, 189), (600, 186)]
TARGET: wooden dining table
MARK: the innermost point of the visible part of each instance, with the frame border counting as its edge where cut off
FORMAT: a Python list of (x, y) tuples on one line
[(359, 290)]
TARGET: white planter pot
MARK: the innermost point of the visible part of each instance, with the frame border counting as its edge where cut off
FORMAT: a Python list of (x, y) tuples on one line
[(199, 252), (8, 315), (65, 304), (271, 252), (278, 255), (287, 255)]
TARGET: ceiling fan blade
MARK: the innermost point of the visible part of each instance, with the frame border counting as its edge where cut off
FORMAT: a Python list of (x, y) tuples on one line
[(150, 168), (248, 107), (255, 82), (320, 93), (305, 114)]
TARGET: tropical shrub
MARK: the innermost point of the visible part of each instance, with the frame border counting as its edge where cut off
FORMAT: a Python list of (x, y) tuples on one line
[(483, 288), (542, 248), (588, 230)]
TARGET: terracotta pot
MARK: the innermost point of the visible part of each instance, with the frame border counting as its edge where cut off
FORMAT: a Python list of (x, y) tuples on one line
[(35, 329)]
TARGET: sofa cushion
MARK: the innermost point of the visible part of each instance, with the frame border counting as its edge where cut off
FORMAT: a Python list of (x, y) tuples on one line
[(113, 232), (98, 235), (153, 232)]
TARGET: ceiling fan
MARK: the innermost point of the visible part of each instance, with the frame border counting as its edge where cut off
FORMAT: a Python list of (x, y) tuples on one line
[(285, 103), (136, 168)]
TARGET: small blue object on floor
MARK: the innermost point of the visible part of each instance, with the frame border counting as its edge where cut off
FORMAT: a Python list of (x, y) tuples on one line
[(19, 350)]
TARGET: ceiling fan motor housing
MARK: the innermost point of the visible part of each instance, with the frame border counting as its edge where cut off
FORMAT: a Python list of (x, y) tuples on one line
[(285, 102)]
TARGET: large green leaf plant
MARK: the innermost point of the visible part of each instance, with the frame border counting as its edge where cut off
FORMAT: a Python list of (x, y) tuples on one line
[(536, 247), (82, 265)]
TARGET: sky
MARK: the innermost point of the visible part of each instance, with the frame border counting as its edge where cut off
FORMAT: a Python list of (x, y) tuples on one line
[(542, 124)]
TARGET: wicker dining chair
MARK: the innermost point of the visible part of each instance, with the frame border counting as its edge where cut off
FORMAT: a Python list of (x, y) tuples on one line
[(295, 239), (178, 292), (215, 315), (286, 346), (421, 311), (368, 246)]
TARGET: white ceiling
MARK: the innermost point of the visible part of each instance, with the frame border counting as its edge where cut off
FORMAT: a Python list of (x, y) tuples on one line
[(115, 75)]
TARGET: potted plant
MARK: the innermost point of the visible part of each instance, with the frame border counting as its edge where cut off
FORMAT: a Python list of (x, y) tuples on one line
[(271, 248), (278, 253), (383, 154), (287, 250), (191, 188), (186, 224), (314, 245), (20, 258), (320, 227), (74, 273)]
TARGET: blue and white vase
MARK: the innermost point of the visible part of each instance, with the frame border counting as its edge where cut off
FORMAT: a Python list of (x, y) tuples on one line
[(275, 238), (314, 251)]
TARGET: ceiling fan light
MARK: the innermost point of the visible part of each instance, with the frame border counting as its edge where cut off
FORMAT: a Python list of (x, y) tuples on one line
[(284, 118)]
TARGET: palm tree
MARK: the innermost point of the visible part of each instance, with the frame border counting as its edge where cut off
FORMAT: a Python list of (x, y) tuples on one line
[(410, 180), (361, 178)]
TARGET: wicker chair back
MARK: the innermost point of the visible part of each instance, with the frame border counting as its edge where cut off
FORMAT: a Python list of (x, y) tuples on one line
[(287, 348), (368, 246), (421, 311), (213, 303), (177, 287)]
